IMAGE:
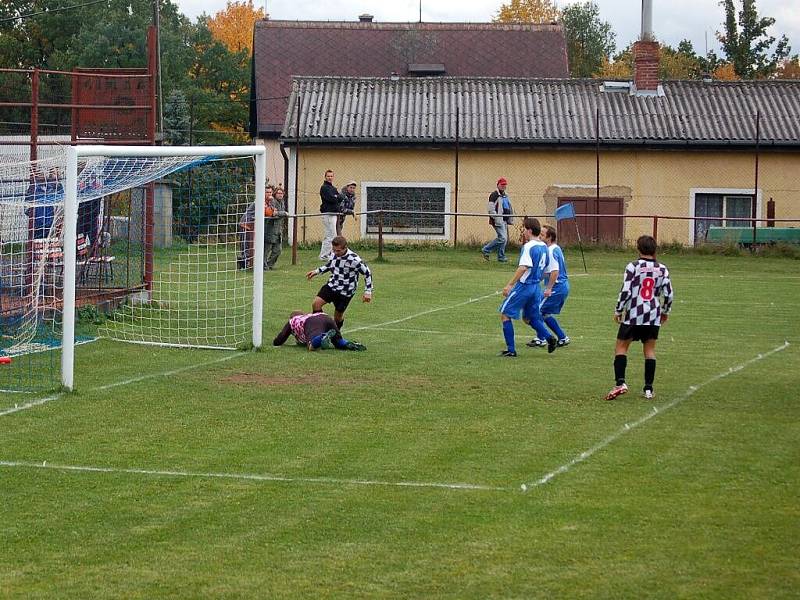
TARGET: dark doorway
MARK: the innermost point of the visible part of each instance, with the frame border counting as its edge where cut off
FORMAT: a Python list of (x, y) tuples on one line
[(596, 229)]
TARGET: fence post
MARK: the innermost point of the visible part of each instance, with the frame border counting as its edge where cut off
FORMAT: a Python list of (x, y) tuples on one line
[(34, 114), (771, 213), (455, 219), (655, 228), (754, 213), (380, 235)]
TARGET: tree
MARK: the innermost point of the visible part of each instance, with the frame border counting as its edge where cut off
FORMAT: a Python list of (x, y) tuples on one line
[(725, 72), (234, 25), (706, 64), (176, 119), (616, 69), (746, 43), (789, 68), (527, 11), (114, 34), (682, 63), (589, 40)]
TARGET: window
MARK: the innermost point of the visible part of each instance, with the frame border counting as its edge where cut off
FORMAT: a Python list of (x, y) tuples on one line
[(413, 199), (729, 208)]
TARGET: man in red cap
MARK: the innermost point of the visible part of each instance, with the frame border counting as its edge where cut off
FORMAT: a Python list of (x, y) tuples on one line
[(500, 217)]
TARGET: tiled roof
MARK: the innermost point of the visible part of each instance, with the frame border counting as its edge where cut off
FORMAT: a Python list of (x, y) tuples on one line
[(541, 111), (282, 49)]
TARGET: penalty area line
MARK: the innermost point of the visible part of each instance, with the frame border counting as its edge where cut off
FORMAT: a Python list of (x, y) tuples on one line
[(627, 427), (253, 477)]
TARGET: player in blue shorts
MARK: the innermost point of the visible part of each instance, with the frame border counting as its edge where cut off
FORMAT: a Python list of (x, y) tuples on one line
[(556, 288), (523, 293)]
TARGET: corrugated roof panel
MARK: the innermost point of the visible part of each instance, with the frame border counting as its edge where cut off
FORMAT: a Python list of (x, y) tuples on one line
[(540, 110)]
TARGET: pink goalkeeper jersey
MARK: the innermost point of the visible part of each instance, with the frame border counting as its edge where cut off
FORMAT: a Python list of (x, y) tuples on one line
[(298, 327)]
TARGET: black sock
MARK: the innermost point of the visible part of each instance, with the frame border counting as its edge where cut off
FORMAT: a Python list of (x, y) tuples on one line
[(620, 363), (339, 324), (649, 373)]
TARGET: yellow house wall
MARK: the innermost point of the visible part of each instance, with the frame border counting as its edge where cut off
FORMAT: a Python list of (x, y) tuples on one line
[(650, 182)]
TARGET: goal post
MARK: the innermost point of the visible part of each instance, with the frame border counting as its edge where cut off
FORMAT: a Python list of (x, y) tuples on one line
[(175, 158)]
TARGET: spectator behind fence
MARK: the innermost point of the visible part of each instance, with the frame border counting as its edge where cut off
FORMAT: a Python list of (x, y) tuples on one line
[(330, 210), (247, 225), (347, 205), (500, 211), (273, 229)]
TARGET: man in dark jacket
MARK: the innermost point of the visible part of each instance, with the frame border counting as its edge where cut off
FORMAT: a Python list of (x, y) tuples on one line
[(347, 205), (330, 210)]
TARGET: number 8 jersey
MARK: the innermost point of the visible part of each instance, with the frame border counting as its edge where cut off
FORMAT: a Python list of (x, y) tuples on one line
[(646, 280)]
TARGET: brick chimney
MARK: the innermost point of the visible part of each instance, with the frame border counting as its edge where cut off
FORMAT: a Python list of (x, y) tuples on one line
[(645, 66)]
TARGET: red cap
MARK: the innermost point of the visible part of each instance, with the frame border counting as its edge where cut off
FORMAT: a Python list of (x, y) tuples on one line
[(502, 181)]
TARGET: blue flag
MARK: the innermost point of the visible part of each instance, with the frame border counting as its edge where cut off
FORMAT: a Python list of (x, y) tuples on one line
[(565, 211)]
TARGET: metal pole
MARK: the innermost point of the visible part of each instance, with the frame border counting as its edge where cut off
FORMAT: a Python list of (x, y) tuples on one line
[(191, 119), (380, 235), (455, 195), (34, 114), (296, 179), (157, 25), (580, 244), (753, 212), (655, 228), (70, 233), (258, 242), (597, 173)]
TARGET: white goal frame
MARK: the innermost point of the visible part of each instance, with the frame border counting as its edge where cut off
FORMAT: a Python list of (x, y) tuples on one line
[(74, 153)]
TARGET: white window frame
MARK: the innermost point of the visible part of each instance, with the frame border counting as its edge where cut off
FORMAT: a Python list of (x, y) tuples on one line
[(719, 192), (407, 184)]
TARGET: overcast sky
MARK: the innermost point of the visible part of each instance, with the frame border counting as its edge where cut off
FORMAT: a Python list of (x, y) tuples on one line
[(673, 20)]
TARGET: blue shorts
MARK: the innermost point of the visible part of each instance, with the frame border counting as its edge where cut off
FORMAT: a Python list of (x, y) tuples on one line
[(523, 298), (554, 304)]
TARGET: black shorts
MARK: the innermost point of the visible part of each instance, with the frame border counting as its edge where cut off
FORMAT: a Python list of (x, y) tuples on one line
[(638, 333), (338, 300)]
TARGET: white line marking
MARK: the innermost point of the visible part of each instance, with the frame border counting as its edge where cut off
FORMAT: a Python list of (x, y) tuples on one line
[(31, 404), (423, 313), (524, 335), (254, 477), (41, 401), (165, 373), (655, 411)]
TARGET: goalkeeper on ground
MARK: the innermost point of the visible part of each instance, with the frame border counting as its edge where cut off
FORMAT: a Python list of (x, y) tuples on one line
[(315, 331)]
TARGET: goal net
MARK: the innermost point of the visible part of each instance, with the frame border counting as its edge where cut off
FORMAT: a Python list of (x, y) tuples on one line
[(151, 245)]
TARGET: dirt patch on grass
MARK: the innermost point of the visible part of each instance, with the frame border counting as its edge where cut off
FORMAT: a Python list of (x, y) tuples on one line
[(263, 379)]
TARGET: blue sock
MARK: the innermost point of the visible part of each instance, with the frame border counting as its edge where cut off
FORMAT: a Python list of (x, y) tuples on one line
[(553, 324), (539, 327), (508, 334), (342, 343), (316, 341)]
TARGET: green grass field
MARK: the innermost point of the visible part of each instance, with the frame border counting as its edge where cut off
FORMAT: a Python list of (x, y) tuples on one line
[(397, 472)]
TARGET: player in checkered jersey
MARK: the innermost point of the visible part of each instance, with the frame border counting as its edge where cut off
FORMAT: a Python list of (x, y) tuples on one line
[(345, 266), (640, 313)]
